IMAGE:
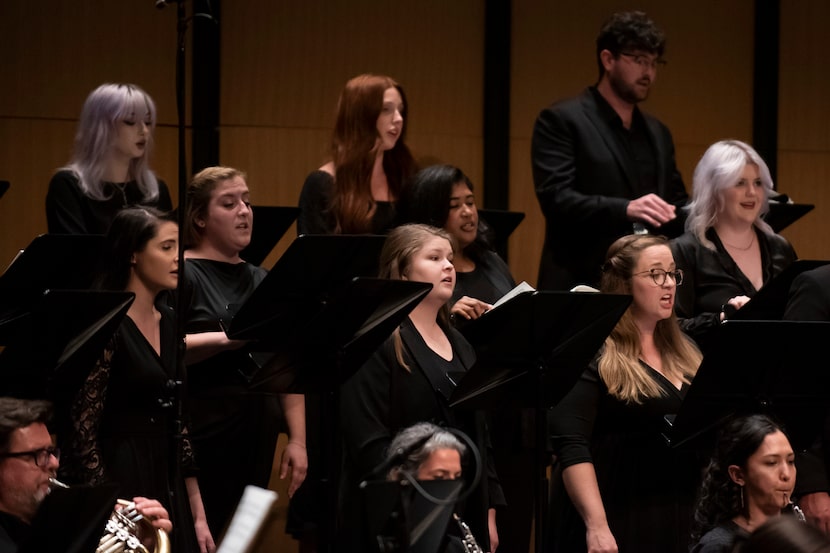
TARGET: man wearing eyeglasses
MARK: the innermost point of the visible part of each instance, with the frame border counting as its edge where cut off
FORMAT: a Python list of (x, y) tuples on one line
[(27, 461), (601, 167)]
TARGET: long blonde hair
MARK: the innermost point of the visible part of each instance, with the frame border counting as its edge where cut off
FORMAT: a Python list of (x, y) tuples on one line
[(619, 365), (399, 249)]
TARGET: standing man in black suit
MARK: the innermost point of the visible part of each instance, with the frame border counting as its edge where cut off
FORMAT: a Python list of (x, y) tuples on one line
[(601, 167)]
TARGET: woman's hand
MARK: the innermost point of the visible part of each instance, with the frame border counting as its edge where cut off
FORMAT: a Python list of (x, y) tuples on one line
[(470, 308), (294, 460)]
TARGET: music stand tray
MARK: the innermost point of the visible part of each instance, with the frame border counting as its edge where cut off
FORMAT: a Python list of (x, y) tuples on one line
[(536, 343), (55, 346), (770, 302), (50, 261), (759, 366), (402, 519), (782, 215), (270, 224), (503, 223)]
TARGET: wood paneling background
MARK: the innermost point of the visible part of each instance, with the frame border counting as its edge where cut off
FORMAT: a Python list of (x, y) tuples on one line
[(283, 64)]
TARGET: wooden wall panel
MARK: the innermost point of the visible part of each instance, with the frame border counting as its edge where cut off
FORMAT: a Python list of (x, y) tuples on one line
[(554, 57), (804, 123), (54, 53)]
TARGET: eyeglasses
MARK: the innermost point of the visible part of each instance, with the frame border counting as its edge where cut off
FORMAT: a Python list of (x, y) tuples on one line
[(659, 276), (645, 61), (41, 456)]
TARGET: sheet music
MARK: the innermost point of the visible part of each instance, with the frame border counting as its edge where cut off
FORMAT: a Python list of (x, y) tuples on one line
[(522, 287), (250, 517)]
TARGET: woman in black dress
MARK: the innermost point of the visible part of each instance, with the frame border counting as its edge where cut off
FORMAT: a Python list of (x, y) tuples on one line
[(617, 485), (123, 417), (234, 429), (355, 192), (728, 251), (109, 169), (410, 378)]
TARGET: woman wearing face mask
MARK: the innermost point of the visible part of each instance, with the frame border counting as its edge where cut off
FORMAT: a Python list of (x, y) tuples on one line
[(110, 163), (749, 480)]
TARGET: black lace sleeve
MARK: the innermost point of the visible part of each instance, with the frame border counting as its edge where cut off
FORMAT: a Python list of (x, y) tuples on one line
[(83, 463)]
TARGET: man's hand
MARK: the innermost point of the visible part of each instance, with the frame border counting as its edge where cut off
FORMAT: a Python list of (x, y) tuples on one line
[(816, 507), (650, 209), (601, 540), (154, 512)]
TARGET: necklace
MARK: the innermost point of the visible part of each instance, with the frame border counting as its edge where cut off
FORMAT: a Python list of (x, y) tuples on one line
[(751, 241)]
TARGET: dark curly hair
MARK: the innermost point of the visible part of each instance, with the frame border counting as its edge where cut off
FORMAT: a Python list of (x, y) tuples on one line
[(629, 31), (719, 497)]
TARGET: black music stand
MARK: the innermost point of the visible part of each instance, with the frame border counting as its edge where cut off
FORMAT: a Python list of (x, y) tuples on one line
[(270, 224), (50, 261), (770, 302), (71, 520), (55, 345), (781, 215), (758, 366), (309, 271), (531, 351), (502, 224), (315, 319), (399, 519)]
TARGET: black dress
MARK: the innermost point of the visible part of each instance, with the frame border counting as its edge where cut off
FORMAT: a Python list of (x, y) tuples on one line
[(234, 431), (720, 539), (710, 278), (647, 488), (315, 216), (123, 422), (70, 211), (382, 398)]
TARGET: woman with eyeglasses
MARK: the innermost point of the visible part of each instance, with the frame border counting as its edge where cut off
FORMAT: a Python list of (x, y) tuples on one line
[(728, 252), (110, 167), (617, 486)]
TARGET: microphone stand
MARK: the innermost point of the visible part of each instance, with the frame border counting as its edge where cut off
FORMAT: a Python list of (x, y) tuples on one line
[(177, 385)]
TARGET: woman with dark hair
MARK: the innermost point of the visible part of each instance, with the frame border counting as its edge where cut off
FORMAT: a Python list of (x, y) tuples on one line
[(235, 429), (110, 163), (617, 485), (410, 378), (122, 418), (442, 196), (750, 479), (355, 192)]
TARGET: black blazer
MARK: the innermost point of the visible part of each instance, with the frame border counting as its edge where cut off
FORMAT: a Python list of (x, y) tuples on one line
[(584, 179)]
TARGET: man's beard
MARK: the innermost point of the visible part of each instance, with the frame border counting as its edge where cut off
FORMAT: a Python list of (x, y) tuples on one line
[(625, 91)]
